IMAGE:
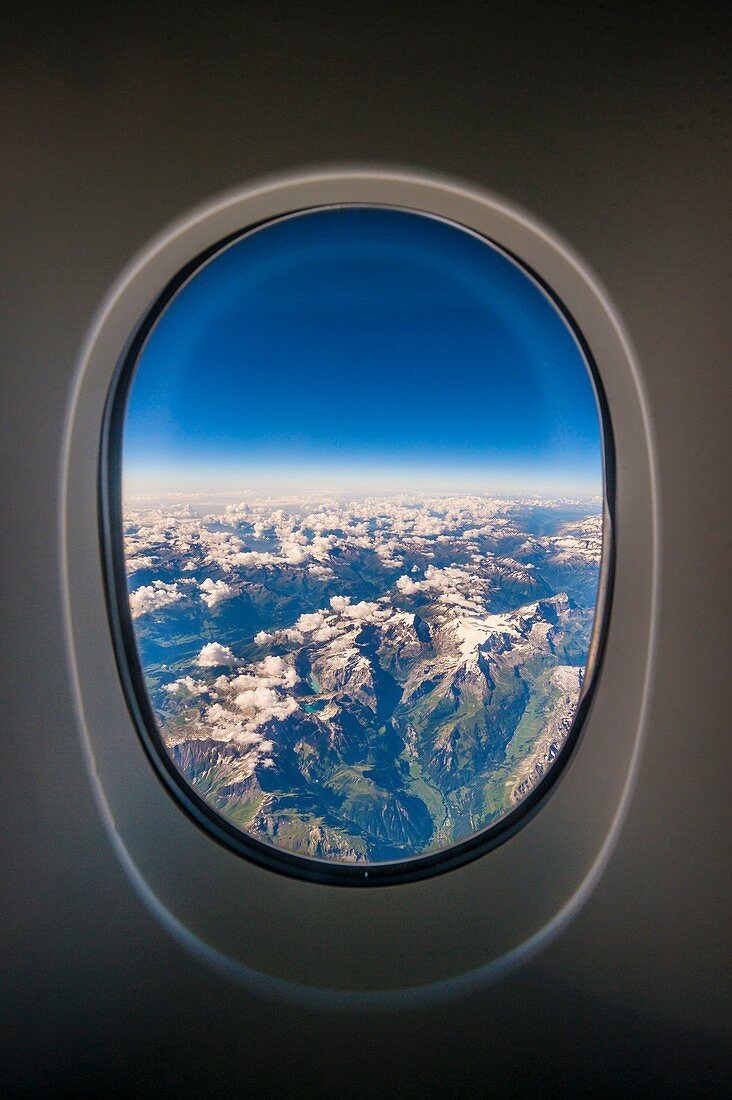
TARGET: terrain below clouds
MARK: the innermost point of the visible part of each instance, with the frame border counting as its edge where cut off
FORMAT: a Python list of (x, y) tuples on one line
[(364, 680)]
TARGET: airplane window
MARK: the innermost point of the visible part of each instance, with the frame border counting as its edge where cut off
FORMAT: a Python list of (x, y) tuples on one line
[(357, 537)]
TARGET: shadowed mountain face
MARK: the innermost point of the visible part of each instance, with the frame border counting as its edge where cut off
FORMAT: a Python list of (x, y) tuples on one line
[(369, 679)]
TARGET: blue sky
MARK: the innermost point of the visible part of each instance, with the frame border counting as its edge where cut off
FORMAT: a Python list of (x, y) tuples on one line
[(364, 349)]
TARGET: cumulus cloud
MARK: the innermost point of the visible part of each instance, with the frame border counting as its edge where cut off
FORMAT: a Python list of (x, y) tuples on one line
[(340, 603), (277, 671), (263, 638), (363, 610), (321, 546), (359, 611), (235, 513), (140, 561), (214, 654), (190, 686), (271, 672), (321, 571), (449, 580), (273, 666), (265, 705), (325, 633), (215, 592), (256, 695), (406, 585), (238, 683), (309, 622), (153, 597), (256, 698), (252, 558), (293, 552)]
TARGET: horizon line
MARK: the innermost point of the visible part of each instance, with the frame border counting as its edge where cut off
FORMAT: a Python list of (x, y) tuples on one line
[(281, 492)]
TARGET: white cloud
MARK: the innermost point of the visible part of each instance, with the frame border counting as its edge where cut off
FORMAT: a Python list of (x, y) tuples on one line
[(273, 666), (237, 512), (359, 611), (322, 545), (275, 670), (363, 610), (321, 571), (215, 592), (214, 654), (193, 687), (406, 585), (309, 622), (293, 552), (251, 558), (153, 597), (265, 705), (140, 561), (263, 638), (257, 698), (325, 633), (241, 682), (271, 672)]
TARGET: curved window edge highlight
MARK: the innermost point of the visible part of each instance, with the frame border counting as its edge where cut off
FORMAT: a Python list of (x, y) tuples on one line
[(214, 824)]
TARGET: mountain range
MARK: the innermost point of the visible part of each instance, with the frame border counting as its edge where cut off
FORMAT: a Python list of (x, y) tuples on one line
[(364, 679)]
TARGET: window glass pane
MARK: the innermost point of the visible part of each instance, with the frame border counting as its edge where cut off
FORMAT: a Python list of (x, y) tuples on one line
[(362, 474)]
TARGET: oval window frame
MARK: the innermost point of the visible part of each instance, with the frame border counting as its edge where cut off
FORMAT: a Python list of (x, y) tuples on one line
[(131, 673), (490, 912)]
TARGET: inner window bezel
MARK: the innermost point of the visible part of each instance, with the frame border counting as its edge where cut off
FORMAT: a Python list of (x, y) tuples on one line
[(125, 647)]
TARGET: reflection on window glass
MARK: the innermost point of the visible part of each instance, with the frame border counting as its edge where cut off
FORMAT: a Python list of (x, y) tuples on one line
[(363, 498)]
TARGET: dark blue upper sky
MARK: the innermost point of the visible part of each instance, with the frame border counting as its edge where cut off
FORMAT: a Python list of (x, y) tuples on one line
[(361, 348)]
